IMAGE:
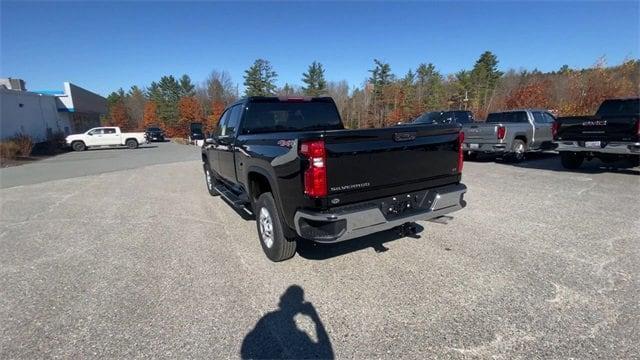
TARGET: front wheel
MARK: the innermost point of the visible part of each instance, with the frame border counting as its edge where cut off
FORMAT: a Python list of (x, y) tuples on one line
[(131, 144), (571, 160), (274, 243)]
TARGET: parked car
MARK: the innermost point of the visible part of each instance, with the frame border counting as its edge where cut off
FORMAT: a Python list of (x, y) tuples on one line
[(154, 134), (613, 133), (291, 162), (105, 136), (510, 134)]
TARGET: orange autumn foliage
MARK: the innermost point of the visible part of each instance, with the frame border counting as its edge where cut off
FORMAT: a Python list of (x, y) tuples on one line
[(150, 114), (217, 107), (118, 116), (189, 111), (532, 95)]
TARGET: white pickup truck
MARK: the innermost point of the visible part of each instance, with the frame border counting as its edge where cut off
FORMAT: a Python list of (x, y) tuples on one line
[(105, 136)]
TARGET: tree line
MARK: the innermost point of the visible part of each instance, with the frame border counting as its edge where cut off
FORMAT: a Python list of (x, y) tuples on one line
[(384, 98)]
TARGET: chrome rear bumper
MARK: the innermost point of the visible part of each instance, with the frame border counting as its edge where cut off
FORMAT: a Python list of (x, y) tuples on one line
[(362, 219), (620, 148)]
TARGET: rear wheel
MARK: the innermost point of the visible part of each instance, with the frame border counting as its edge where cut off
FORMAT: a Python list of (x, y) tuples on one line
[(571, 160), (78, 146), (274, 243), (518, 149), (131, 143)]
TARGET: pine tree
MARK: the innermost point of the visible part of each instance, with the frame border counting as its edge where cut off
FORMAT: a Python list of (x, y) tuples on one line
[(259, 79), (316, 85), (166, 94), (383, 96), (430, 88), (186, 86), (484, 79)]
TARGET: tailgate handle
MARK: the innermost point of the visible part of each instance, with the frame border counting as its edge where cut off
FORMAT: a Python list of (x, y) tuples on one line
[(404, 136)]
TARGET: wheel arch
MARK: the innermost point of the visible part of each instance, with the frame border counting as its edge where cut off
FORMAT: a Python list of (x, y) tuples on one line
[(522, 137)]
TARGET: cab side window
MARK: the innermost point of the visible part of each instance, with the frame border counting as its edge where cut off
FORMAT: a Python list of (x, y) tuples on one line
[(538, 118), (234, 119), (549, 118), (109, 131), (219, 131), (96, 132)]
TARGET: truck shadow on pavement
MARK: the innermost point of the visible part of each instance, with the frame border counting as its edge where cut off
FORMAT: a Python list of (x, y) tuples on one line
[(315, 251), (551, 162), (141, 147), (278, 335)]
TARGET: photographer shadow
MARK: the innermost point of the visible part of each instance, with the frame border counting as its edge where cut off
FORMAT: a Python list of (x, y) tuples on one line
[(277, 335)]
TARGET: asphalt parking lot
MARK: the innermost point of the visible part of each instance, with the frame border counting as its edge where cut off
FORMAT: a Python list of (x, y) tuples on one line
[(133, 258)]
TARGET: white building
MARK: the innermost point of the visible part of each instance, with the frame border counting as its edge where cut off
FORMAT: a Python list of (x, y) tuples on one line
[(40, 114)]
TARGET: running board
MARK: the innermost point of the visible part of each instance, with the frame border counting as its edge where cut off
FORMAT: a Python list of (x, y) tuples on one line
[(229, 196)]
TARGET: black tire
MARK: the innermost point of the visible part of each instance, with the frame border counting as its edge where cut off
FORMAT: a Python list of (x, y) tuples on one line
[(210, 180), (472, 156), (131, 143), (518, 150), (571, 160), (274, 243), (78, 146)]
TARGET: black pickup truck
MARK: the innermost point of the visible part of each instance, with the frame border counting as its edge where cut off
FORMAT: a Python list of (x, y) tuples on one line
[(612, 134), (291, 163)]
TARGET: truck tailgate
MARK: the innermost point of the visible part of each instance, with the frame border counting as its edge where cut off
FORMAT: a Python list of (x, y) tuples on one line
[(480, 133), (378, 162), (590, 128)]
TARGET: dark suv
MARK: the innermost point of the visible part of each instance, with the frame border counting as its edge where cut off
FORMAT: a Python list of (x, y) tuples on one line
[(154, 134)]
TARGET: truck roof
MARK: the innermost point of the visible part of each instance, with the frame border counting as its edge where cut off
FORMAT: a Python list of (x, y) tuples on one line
[(283, 98), (517, 110)]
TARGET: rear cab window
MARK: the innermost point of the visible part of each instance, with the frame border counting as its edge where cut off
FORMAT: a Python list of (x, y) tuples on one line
[(620, 107), (508, 117), (269, 115)]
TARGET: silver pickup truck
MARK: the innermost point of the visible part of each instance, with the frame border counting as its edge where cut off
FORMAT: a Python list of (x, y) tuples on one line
[(510, 134)]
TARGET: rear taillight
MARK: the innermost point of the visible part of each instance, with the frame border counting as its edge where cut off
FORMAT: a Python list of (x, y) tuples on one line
[(638, 127), (315, 176), (554, 130), (460, 152), (501, 132)]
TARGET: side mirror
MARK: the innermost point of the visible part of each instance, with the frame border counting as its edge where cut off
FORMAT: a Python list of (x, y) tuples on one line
[(210, 141)]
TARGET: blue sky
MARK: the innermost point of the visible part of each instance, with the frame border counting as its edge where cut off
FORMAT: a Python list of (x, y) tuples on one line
[(104, 46)]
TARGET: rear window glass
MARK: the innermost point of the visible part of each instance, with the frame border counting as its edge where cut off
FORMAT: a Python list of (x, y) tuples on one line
[(463, 117), (154, 129), (444, 117), (263, 117), (433, 117), (508, 117), (630, 107)]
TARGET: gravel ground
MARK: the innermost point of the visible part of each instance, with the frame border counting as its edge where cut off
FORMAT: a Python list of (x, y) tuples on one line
[(142, 262)]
